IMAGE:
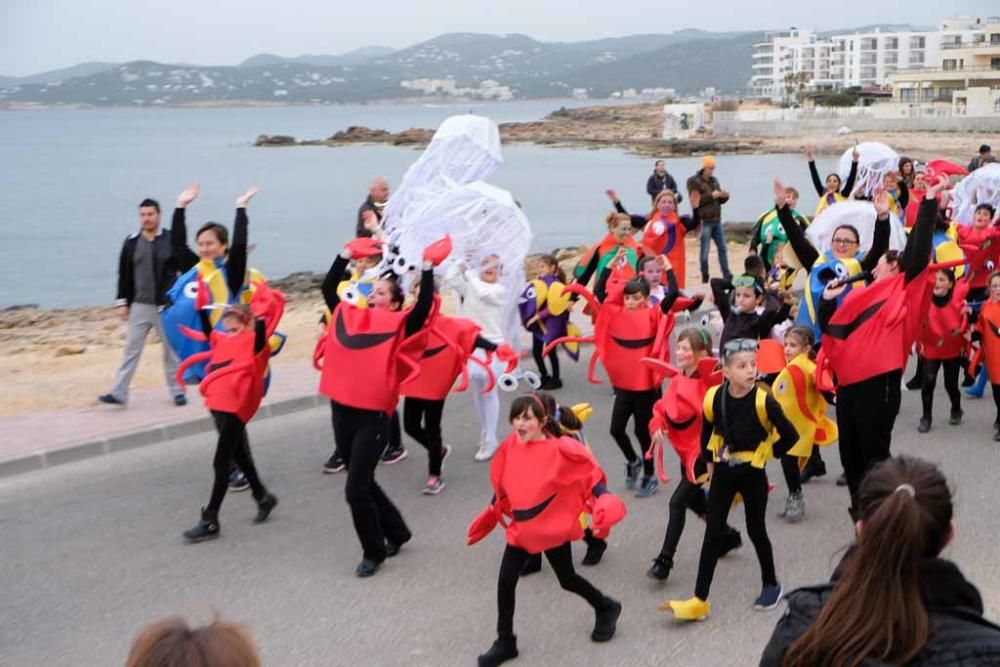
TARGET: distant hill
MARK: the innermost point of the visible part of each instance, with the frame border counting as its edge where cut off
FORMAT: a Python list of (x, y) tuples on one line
[(463, 64), (83, 69)]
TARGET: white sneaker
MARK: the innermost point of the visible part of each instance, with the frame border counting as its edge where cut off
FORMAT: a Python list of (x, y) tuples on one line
[(485, 452)]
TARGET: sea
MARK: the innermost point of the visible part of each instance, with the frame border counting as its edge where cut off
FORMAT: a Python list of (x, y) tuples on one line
[(71, 180)]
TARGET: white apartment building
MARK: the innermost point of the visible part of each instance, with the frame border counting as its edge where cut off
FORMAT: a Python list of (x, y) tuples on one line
[(858, 59)]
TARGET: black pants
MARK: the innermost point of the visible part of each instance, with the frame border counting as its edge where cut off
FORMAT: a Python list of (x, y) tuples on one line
[(361, 437), (537, 347), (686, 496), (727, 481), (561, 560), (637, 405), (951, 368), (996, 401), (233, 446), (588, 539), (866, 413), (793, 478), (422, 421)]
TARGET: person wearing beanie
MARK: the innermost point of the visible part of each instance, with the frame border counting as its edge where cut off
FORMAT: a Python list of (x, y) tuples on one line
[(707, 198)]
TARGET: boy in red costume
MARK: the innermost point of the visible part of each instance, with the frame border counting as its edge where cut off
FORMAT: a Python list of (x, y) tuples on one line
[(542, 481)]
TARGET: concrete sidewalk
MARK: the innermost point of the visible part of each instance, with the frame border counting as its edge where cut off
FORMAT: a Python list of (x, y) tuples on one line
[(44, 439)]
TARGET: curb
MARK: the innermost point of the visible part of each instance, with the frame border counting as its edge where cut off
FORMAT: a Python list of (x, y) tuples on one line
[(148, 436)]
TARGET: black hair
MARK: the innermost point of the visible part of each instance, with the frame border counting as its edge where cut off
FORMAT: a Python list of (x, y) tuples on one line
[(643, 261), (395, 289), (566, 418), (220, 231), (532, 404), (949, 274), (852, 228), (753, 265), (150, 203), (552, 261), (637, 285), (988, 208)]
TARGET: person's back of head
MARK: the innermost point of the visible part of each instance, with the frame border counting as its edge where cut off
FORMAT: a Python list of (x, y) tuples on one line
[(876, 610), (173, 643)]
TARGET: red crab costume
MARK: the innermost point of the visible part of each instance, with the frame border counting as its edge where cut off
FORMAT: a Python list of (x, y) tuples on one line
[(540, 488), (988, 326), (943, 333)]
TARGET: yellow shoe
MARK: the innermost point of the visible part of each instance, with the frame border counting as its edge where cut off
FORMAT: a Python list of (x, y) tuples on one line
[(694, 609)]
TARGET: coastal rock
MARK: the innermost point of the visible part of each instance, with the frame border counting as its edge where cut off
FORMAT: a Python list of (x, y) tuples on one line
[(69, 350), (274, 140), (358, 134)]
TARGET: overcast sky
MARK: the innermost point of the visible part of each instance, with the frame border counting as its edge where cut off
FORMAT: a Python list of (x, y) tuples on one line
[(38, 35)]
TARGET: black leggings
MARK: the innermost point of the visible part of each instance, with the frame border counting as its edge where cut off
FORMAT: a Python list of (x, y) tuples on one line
[(727, 481), (233, 446), (561, 560), (686, 496), (361, 437), (537, 347), (637, 405), (996, 401), (588, 539), (866, 413), (951, 368), (422, 421), (790, 468)]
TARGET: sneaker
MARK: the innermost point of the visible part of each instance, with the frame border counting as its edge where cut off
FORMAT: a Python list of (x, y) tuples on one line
[(237, 480), (842, 480), (769, 598), (503, 649), (485, 452), (366, 568), (632, 473), (924, 425), (392, 548), (110, 400), (207, 528), (180, 400), (433, 486), (334, 464), (647, 488), (265, 507), (914, 383), (795, 507), (532, 564), (694, 609), (595, 552), (393, 455), (956, 417), (731, 542), (606, 620), (550, 383), (661, 568)]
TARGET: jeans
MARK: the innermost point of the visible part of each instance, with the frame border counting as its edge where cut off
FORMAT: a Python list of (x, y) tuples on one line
[(713, 231)]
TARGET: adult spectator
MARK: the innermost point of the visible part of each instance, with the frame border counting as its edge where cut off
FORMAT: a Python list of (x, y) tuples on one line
[(173, 643), (147, 268), (707, 198), (892, 600), (659, 181), (378, 194), (985, 157)]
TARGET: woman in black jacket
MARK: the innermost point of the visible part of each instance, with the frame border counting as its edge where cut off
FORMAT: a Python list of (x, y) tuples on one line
[(892, 600)]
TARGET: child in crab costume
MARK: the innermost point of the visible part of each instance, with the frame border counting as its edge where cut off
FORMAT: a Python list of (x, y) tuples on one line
[(542, 481)]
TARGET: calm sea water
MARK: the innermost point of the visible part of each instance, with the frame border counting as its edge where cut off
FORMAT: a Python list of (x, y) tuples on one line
[(71, 180)]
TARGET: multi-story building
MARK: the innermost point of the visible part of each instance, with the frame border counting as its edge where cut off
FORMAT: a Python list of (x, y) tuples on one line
[(774, 58)]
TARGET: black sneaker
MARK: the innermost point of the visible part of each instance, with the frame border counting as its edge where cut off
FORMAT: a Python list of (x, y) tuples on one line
[(532, 564), (842, 480), (924, 425), (264, 508), (503, 649), (180, 400), (207, 528), (914, 383), (595, 552), (237, 480), (956, 417), (393, 455), (632, 473), (392, 548), (732, 541), (334, 464), (606, 621), (110, 400), (366, 568), (548, 384), (661, 568), (769, 597)]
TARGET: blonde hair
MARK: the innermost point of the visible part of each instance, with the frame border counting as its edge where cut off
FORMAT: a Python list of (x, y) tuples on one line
[(613, 219)]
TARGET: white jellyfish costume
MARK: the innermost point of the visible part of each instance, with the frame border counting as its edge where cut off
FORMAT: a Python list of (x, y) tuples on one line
[(875, 159), (859, 214), (980, 187)]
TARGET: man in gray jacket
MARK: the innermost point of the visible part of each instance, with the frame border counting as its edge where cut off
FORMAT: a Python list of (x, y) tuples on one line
[(146, 270)]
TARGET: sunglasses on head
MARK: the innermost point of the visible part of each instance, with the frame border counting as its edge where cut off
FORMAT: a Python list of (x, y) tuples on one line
[(739, 345)]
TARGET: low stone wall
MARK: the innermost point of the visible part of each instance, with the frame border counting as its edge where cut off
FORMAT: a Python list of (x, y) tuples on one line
[(777, 128)]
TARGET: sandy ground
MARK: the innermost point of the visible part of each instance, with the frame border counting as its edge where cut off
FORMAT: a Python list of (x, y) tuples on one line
[(64, 359)]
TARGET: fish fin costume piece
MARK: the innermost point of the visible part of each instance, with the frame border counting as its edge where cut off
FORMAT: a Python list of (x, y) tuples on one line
[(665, 236), (236, 373), (795, 391), (546, 298), (770, 356), (369, 343), (540, 488), (449, 345), (823, 271), (606, 249)]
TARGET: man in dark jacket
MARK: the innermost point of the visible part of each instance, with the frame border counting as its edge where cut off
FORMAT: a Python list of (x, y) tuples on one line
[(659, 181), (378, 194), (985, 157), (707, 197), (146, 270)]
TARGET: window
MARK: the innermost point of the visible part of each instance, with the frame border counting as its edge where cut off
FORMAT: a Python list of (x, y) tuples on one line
[(927, 94), (917, 42), (867, 58), (945, 94), (995, 38), (916, 57), (996, 105), (891, 58), (892, 43), (995, 63), (907, 95), (949, 64), (869, 44)]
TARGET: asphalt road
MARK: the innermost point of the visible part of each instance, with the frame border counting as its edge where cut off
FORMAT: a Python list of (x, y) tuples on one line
[(91, 552)]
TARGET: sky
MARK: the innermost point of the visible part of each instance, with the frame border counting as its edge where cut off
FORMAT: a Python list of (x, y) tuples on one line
[(39, 35)]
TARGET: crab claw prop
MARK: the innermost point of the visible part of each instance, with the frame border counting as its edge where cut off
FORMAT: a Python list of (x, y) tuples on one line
[(364, 247), (463, 384), (438, 251), (196, 358), (483, 524), (608, 510)]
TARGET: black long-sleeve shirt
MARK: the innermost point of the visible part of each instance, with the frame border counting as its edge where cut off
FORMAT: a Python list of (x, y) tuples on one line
[(690, 222), (808, 255), (744, 325), (417, 316), (738, 424), (236, 259), (848, 186)]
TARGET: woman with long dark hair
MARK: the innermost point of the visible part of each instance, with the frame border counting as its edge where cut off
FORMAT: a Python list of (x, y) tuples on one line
[(892, 599)]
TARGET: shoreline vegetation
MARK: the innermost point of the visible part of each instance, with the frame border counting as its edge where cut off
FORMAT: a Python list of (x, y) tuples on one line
[(637, 129)]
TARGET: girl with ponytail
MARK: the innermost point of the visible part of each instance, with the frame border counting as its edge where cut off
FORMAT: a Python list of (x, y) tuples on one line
[(892, 599)]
